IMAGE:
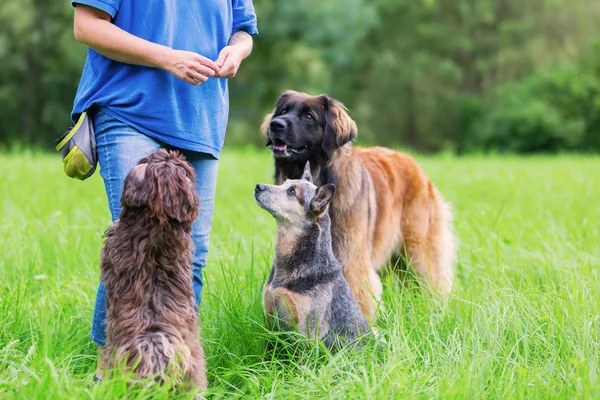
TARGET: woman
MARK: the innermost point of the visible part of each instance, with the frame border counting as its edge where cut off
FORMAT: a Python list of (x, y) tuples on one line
[(156, 76)]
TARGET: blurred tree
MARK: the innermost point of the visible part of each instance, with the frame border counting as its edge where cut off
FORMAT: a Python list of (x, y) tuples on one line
[(549, 111), (432, 63), (40, 64)]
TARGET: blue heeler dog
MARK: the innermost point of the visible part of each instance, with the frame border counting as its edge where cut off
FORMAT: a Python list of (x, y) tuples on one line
[(306, 289)]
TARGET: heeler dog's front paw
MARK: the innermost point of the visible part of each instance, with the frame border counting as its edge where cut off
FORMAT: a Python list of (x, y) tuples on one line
[(378, 336)]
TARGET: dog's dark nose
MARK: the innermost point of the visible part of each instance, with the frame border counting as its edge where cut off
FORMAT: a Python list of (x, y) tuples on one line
[(259, 188), (277, 125)]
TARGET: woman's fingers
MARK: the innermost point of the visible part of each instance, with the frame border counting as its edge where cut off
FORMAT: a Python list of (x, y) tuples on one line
[(223, 56), (195, 78), (227, 71), (191, 67), (207, 63), (201, 69)]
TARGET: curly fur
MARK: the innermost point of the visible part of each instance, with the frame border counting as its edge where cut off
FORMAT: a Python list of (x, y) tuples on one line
[(146, 264)]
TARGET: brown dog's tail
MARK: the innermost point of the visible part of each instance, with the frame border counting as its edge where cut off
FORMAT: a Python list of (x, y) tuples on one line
[(155, 354)]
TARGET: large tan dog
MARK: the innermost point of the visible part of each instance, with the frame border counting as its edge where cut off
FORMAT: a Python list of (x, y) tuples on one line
[(385, 206)]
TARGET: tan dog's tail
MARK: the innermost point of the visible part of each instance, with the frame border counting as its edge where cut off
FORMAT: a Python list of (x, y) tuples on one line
[(447, 245)]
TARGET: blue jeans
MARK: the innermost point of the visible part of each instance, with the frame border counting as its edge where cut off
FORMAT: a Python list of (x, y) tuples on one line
[(120, 147)]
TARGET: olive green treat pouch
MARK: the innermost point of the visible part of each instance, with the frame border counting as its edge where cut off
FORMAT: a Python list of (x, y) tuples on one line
[(78, 148)]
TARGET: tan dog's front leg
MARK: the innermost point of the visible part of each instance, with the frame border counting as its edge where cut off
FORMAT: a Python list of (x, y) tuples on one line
[(365, 285)]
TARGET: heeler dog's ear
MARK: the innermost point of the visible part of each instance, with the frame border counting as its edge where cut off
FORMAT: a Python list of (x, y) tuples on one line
[(307, 175), (323, 197)]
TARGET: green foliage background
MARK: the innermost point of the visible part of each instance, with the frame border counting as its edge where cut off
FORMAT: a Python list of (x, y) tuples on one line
[(466, 75)]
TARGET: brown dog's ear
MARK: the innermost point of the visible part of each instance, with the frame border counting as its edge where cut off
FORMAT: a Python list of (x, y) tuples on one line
[(134, 192), (177, 198), (339, 127), (185, 201), (323, 197), (306, 174)]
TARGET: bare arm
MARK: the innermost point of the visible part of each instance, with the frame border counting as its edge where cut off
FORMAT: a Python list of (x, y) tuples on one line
[(230, 58), (244, 42), (93, 28)]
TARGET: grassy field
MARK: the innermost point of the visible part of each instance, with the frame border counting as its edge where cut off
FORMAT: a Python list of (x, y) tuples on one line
[(523, 321)]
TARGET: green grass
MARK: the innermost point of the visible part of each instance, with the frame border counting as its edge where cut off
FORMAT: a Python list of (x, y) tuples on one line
[(523, 321)]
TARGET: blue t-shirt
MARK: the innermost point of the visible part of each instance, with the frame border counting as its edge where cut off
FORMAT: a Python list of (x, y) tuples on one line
[(151, 99)]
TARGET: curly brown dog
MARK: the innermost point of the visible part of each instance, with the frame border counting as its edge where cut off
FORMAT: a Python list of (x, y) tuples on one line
[(146, 264), (385, 206)]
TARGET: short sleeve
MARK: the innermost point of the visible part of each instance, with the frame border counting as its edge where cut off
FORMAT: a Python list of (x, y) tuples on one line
[(244, 17), (108, 6)]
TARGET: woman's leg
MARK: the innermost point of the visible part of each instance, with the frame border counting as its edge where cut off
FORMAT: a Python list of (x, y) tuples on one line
[(206, 168), (120, 147)]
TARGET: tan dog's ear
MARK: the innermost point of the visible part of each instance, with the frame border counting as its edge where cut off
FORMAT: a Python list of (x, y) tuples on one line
[(323, 197), (339, 127), (264, 128)]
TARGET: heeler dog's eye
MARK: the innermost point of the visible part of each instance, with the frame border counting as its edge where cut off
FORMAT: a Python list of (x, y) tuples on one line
[(284, 111), (308, 117), (291, 191)]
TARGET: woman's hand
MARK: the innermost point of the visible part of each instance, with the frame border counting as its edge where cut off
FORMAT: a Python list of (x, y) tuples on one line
[(229, 62), (189, 66), (230, 58)]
